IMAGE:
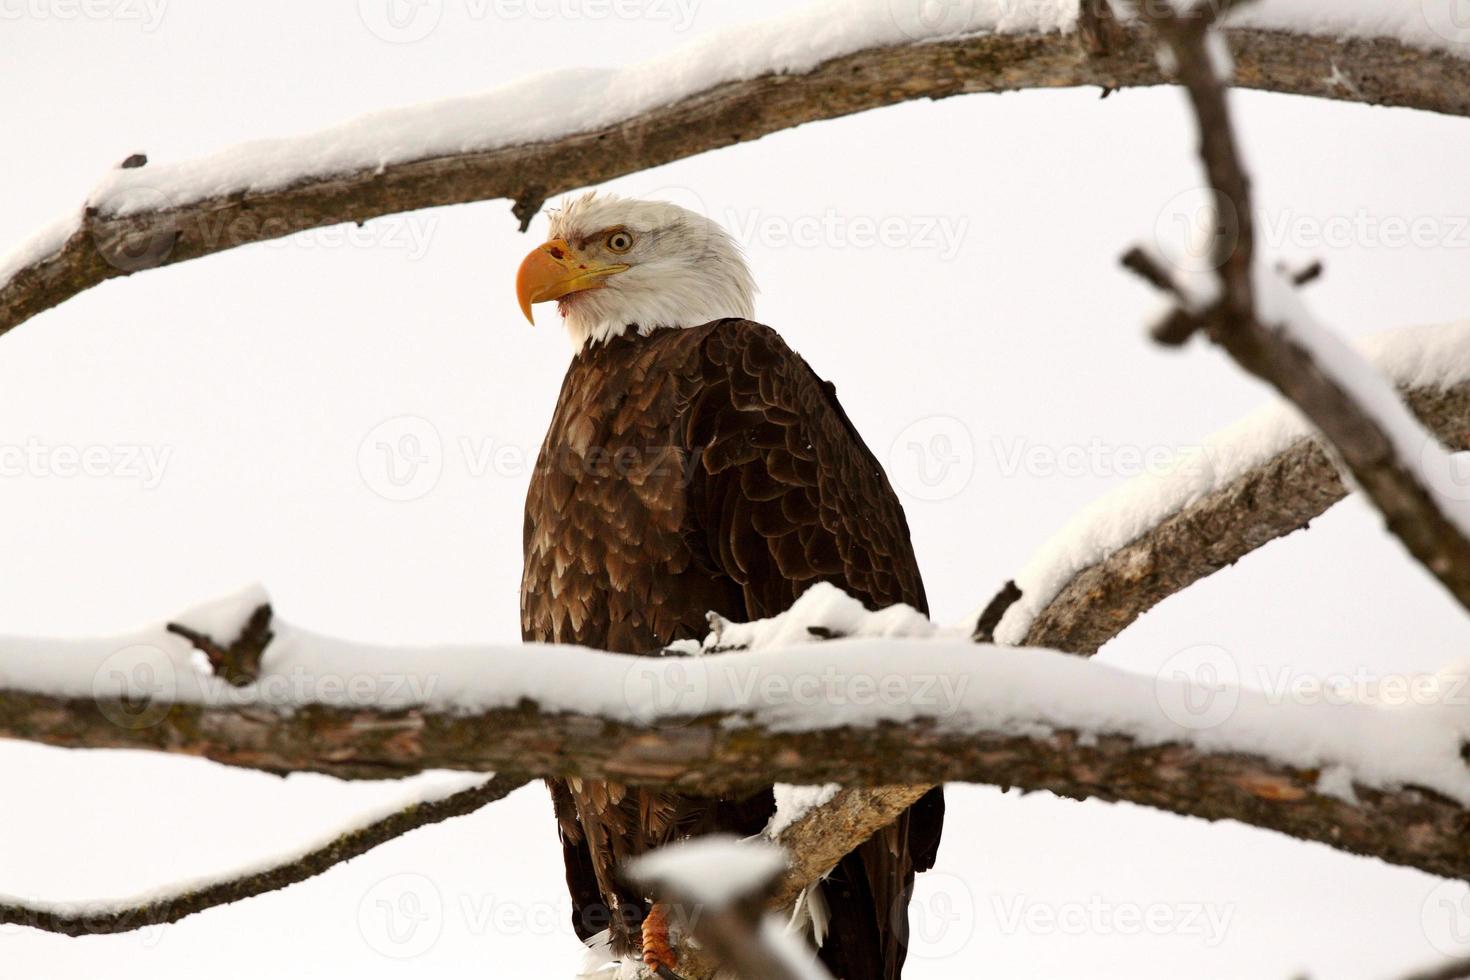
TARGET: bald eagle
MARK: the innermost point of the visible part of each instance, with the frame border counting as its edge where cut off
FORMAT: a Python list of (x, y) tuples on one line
[(696, 464)]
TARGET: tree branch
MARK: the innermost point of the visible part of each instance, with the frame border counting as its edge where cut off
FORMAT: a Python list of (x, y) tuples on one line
[(826, 833), (983, 733), (374, 744), (238, 661), (1333, 388), (735, 936), (1414, 827), (97, 918), (1453, 970), (995, 611), (1271, 499), (179, 226), (1208, 535)]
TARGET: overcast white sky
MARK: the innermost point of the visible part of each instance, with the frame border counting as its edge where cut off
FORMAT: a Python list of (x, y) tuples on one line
[(994, 316)]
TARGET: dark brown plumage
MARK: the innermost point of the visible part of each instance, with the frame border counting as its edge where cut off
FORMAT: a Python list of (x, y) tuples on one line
[(697, 470)]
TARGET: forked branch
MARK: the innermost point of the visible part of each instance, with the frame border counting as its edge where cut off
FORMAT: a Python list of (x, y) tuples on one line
[(1252, 313)]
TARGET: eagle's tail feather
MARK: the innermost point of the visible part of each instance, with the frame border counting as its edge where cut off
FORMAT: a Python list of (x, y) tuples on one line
[(867, 895)]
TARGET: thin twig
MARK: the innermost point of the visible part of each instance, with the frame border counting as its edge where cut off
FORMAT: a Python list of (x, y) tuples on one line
[(1453, 970), (98, 918), (995, 610), (238, 663)]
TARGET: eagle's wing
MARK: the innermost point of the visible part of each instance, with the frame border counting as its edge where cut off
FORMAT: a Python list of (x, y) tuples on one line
[(786, 494)]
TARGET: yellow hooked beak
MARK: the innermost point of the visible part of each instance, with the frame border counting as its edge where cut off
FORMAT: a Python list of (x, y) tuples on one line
[(555, 269)]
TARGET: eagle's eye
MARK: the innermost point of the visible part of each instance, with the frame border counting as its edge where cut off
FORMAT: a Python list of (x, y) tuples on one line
[(619, 240)]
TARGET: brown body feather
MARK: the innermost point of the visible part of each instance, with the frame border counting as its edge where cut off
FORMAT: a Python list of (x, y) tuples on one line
[(699, 470)]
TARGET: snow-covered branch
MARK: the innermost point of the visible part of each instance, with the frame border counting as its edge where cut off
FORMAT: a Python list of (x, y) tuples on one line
[(533, 140), (1255, 314), (891, 701), (232, 634), (1257, 481)]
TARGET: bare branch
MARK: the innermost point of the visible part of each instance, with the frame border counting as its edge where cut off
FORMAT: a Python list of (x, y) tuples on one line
[(87, 918), (990, 618), (238, 662), (1453, 970), (1363, 439), (103, 246), (1148, 268), (1307, 274)]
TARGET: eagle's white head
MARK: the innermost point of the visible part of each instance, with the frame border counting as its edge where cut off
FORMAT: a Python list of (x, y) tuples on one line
[(615, 264)]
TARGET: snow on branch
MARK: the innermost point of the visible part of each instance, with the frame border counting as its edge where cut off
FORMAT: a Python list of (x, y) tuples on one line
[(231, 634), (535, 139), (892, 701), (1254, 313), (1216, 502)]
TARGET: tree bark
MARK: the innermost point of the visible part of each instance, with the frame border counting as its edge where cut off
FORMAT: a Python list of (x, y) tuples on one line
[(720, 753)]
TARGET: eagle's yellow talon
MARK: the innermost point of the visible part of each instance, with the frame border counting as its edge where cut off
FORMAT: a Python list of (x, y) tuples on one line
[(658, 953)]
